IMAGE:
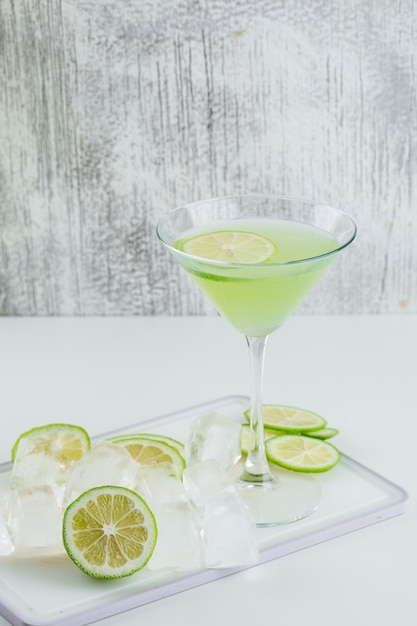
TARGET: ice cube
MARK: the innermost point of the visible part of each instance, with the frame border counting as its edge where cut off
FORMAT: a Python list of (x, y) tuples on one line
[(106, 463), (35, 520), (179, 543), (228, 533), (59, 493), (203, 480), (35, 468), (6, 545), (213, 436), (160, 482)]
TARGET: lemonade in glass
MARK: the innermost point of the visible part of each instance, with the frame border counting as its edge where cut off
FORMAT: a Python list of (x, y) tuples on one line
[(255, 257)]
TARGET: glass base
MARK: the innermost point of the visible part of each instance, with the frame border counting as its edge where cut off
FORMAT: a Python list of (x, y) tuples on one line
[(291, 497)]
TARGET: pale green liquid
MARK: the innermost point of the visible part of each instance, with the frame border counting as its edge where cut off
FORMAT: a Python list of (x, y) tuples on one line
[(256, 299)]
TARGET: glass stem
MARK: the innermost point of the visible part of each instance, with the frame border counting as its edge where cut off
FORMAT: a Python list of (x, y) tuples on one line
[(256, 468)]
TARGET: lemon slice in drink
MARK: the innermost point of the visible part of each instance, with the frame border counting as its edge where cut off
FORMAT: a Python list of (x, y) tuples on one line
[(230, 246), (290, 419), (109, 532), (146, 451), (301, 453)]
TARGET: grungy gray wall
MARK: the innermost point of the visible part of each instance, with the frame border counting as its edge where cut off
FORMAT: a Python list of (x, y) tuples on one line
[(114, 111)]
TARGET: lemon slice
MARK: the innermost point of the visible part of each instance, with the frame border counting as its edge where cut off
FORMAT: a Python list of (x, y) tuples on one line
[(301, 453), (109, 532), (323, 433), (66, 442), (174, 443), (290, 419), (146, 451), (245, 440), (230, 246), (45, 454)]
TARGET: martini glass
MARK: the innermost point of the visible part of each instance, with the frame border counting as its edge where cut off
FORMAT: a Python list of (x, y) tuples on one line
[(255, 257)]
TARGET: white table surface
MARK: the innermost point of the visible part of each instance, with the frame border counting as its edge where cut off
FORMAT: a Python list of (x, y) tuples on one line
[(359, 372)]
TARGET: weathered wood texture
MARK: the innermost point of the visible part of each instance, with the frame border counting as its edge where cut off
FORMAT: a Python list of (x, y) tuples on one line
[(113, 111)]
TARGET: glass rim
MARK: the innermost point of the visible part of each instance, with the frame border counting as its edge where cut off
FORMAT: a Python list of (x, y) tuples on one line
[(234, 264)]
